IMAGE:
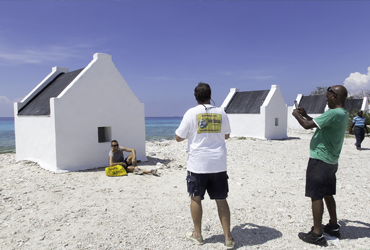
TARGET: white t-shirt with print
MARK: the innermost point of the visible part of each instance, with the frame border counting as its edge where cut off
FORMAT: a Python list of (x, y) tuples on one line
[(205, 130)]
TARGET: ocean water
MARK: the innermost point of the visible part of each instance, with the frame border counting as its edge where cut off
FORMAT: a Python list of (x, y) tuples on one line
[(161, 128), (156, 129), (7, 138)]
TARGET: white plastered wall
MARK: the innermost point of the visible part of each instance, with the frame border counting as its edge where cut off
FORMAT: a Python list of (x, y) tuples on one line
[(275, 113), (261, 125), (35, 139), (365, 105), (247, 125), (67, 140)]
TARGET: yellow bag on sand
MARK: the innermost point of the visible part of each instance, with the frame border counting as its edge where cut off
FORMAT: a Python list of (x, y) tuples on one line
[(116, 170)]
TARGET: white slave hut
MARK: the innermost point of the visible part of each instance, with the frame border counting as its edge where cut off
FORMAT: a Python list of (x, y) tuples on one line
[(259, 114), (316, 105), (67, 121), (357, 104)]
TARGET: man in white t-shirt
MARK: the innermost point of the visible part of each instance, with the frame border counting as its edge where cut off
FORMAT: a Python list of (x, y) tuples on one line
[(206, 128)]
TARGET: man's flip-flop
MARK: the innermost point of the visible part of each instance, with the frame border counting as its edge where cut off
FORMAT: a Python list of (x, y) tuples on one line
[(198, 241), (230, 244)]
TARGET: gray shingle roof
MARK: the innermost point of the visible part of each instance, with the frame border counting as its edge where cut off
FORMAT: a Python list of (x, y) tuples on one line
[(313, 104), (352, 104), (248, 102), (40, 104)]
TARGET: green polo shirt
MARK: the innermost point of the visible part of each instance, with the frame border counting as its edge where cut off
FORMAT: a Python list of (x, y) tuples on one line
[(327, 141)]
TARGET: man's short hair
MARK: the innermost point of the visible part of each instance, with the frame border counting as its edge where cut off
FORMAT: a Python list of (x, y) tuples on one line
[(113, 141), (202, 92)]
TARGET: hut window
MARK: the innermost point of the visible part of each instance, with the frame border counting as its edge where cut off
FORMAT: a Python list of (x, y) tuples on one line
[(276, 121), (104, 134)]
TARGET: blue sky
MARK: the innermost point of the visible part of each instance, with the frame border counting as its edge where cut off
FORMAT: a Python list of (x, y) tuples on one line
[(164, 48)]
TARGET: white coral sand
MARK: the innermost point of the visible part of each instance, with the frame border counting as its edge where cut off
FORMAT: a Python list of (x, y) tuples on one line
[(88, 210)]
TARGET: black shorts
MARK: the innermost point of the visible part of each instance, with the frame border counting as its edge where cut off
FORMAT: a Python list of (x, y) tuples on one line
[(320, 179), (125, 167), (215, 184)]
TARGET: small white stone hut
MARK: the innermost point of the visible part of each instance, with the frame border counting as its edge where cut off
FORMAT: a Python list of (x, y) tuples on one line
[(259, 114), (67, 121)]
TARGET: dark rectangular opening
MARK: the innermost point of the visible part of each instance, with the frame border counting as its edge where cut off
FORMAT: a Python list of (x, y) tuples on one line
[(104, 134)]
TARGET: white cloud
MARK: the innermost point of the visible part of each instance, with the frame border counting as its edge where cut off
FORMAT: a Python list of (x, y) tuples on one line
[(6, 107), (5, 100), (40, 55), (358, 81)]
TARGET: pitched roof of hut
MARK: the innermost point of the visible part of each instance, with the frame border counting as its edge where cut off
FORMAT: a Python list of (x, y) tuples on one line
[(247, 102), (353, 104), (313, 104), (40, 103)]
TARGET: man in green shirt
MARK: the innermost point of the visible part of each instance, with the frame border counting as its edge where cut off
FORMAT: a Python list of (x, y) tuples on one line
[(325, 147)]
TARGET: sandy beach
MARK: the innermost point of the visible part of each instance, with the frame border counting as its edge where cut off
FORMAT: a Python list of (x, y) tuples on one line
[(88, 210)]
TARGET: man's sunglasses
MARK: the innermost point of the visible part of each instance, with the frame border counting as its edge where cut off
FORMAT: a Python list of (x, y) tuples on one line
[(115, 145), (330, 90)]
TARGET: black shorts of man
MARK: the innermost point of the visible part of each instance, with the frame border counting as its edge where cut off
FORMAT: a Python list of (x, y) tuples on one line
[(325, 147), (206, 128)]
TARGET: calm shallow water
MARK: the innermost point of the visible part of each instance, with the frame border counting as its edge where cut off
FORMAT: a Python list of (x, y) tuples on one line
[(156, 128), (161, 128), (7, 138)]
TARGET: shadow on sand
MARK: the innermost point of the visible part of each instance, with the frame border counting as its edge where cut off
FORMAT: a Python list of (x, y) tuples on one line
[(288, 139), (248, 234), (362, 149), (152, 161), (359, 230)]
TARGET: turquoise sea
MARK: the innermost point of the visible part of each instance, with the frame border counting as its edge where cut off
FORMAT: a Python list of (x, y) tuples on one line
[(7, 139), (156, 129)]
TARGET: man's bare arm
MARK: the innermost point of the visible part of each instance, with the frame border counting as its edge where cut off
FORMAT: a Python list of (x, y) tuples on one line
[(179, 139), (133, 151), (306, 122)]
